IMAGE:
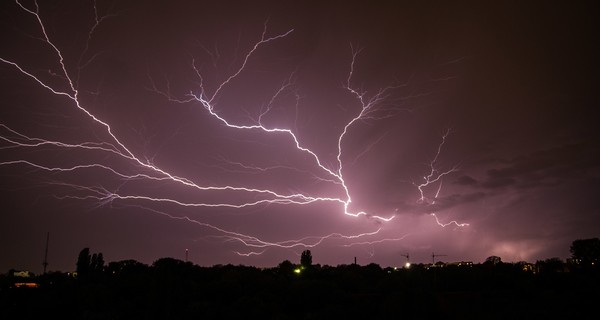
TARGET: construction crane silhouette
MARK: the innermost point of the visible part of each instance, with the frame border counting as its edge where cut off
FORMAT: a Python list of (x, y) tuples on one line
[(407, 264), (433, 255)]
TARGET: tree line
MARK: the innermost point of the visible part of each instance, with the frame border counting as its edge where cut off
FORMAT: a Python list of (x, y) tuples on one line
[(174, 289)]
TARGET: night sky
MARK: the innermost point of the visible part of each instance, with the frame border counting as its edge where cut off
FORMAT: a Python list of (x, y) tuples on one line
[(247, 132)]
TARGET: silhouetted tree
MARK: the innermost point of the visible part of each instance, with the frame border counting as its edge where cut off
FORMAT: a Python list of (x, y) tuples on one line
[(492, 260), (129, 266), (306, 258), (83, 262), (89, 266), (587, 251), (100, 262), (97, 262), (550, 265), (286, 267)]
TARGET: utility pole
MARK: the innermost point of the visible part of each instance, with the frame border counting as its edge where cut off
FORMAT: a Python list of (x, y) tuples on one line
[(186, 255), (45, 263)]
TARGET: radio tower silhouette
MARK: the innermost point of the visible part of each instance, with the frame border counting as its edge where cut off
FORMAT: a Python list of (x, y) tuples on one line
[(45, 263)]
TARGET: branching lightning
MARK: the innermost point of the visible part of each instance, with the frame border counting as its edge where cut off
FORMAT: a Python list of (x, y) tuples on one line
[(370, 108), (436, 176)]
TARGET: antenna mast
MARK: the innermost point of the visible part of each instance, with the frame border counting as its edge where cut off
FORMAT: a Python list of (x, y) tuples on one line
[(45, 263)]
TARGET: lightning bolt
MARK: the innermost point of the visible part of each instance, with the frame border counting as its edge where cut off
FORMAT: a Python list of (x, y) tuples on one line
[(374, 106), (436, 176)]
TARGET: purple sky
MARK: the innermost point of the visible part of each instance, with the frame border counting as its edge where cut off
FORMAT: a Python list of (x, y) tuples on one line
[(461, 129)]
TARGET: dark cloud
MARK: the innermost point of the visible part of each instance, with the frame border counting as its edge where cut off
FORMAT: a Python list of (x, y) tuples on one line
[(454, 200), (546, 167), (496, 180), (465, 181)]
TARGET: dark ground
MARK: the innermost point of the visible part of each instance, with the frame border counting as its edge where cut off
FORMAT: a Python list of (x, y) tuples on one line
[(173, 289)]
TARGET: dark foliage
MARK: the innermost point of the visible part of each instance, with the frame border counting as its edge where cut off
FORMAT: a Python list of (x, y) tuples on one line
[(586, 251), (174, 289), (306, 258)]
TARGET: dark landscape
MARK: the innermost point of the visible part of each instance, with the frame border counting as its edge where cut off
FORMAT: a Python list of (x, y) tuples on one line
[(175, 289)]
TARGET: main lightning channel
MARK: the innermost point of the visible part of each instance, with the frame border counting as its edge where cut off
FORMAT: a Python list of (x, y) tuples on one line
[(368, 105)]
